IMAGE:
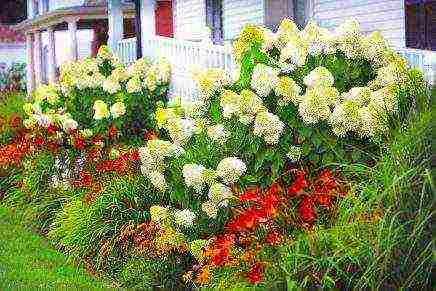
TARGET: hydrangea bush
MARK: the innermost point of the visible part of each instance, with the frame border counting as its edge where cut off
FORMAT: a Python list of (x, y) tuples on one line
[(99, 97)]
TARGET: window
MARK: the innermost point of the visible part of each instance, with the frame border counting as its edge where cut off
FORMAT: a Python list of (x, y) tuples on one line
[(214, 20), (421, 24)]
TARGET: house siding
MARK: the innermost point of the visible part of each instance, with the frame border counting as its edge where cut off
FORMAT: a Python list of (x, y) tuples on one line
[(238, 13), (189, 19), (386, 16)]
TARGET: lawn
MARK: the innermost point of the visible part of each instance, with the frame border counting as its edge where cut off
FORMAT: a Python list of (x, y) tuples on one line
[(27, 260)]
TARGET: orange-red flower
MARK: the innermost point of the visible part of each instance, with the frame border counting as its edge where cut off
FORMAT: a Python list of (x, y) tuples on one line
[(255, 274)]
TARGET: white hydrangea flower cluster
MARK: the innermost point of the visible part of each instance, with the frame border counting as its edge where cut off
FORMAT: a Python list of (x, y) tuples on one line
[(268, 126), (210, 81), (218, 133), (361, 111), (153, 160), (230, 169), (264, 79), (46, 92), (319, 39), (164, 215), (319, 97), (194, 176), (289, 90), (247, 106), (218, 195), (294, 153), (349, 39)]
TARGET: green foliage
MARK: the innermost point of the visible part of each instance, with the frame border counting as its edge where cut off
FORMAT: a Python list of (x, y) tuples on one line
[(27, 261)]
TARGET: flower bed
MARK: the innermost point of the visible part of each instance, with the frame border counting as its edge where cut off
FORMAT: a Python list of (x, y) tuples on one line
[(227, 190)]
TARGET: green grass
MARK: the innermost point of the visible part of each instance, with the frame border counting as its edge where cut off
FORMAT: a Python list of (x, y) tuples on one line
[(28, 261), (12, 103)]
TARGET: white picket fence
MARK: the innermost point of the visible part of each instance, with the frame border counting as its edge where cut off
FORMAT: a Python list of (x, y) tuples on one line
[(183, 55)]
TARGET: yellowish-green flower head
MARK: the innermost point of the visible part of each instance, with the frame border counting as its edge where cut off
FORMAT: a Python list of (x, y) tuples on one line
[(158, 213), (118, 109), (101, 110)]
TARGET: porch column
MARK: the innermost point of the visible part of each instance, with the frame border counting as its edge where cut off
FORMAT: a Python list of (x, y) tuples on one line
[(115, 23), (30, 63), (38, 58), (51, 55), (30, 9), (72, 31), (148, 24)]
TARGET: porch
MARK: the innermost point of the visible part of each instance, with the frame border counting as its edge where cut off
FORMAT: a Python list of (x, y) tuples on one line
[(184, 54)]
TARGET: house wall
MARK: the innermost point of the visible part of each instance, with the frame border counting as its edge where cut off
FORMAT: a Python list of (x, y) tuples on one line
[(238, 13), (12, 53), (189, 18), (387, 16), (57, 4)]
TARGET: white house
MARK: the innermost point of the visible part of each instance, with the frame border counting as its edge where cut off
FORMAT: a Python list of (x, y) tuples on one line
[(196, 32), (176, 29), (61, 30), (12, 46)]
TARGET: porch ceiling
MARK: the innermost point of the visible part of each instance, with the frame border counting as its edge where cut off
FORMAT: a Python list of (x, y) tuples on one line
[(58, 16)]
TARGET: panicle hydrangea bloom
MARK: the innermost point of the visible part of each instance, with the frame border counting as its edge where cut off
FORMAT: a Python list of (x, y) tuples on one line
[(345, 118), (157, 179), (362, 95), (134, 85), (139, 67), (250, 35), (289, 90), (293, 55), (229, 102), (384, 99), (393, 74), (111, 85), (101, 110), (264, 79), (46, 92), (159, 214), (118, 109), (348, 38), (181, 129), (249, 105), (286, 31), (194, 176), (294, 153), (218, 133), (316, 103), (210, 81), (268, 126), (319, 40), (163, 71), (184, 218), (210, 208), (219, 195), (230, 169), (320, 76), (375, 49)]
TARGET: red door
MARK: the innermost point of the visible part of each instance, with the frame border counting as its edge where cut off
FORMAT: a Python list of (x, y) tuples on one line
[(164, 18)]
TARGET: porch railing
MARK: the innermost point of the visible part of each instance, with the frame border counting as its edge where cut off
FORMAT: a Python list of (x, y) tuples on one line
[(183, 55)]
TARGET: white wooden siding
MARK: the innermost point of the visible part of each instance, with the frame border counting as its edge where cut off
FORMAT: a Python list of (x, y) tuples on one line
[(238, 13), (189, 19), (387, 16)]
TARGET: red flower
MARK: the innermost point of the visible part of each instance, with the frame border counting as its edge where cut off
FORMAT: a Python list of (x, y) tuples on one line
[(306, 210), (273, 237), (134, 155), (255, 275), (51, 129), (270, 203), (39, 141), (15, 121), (112, 132), (324, 200), (79, 143), (52, 146), (247, 220), (299, 184), (252, 194)]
